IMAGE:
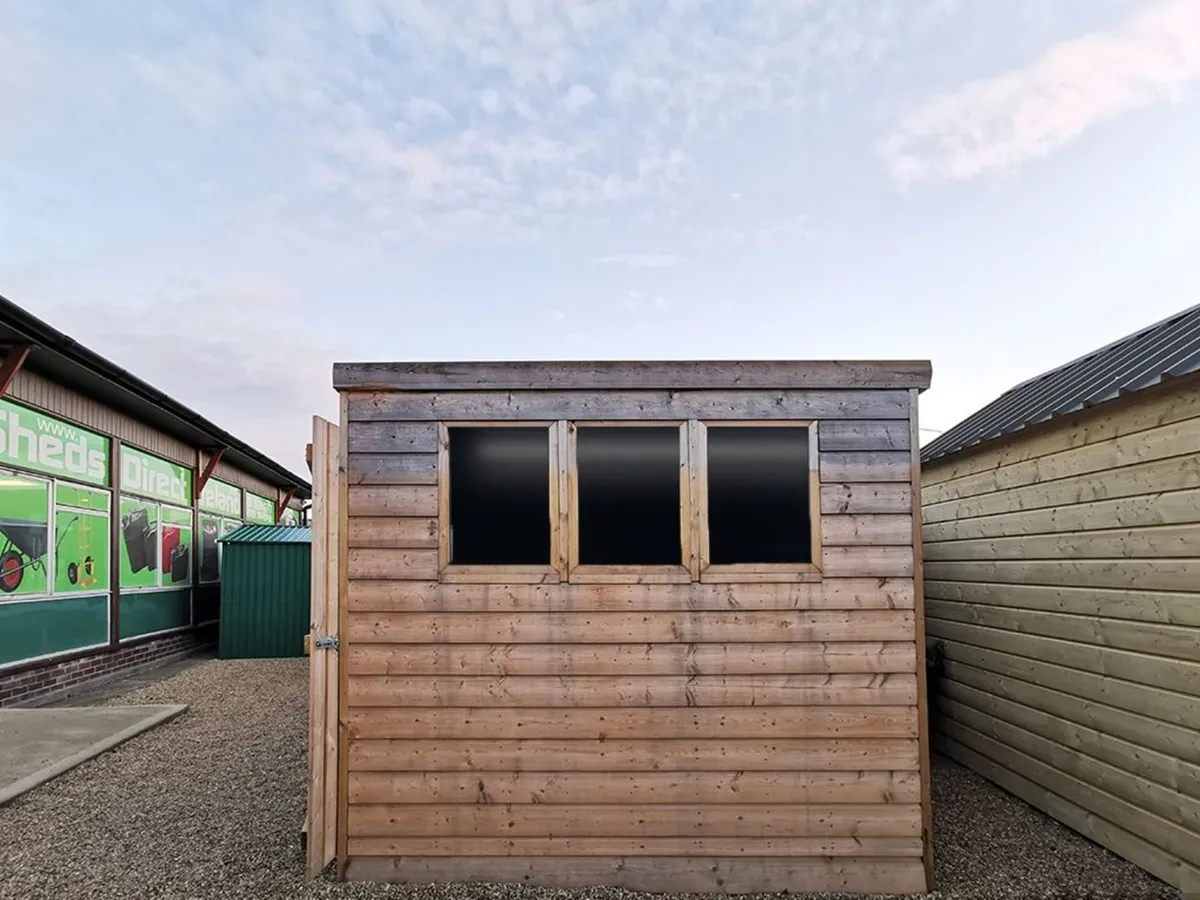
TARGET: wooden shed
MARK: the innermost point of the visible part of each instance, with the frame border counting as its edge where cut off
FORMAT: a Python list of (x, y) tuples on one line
[(654, 625), (1062, 547)]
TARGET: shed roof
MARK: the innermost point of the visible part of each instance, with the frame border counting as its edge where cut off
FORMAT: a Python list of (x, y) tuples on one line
[(1169, 348), (63, 360), (268, 534), (625, 375)]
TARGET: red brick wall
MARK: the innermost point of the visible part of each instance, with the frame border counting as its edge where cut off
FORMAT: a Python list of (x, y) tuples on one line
[(31, 685)]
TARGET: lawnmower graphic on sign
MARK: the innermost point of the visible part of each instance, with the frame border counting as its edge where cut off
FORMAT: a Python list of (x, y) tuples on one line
[(25, 547)]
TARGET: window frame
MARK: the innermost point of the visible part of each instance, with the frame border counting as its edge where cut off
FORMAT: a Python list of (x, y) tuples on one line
[(458, 573), (732, 573), (563, 483), (683, 573)]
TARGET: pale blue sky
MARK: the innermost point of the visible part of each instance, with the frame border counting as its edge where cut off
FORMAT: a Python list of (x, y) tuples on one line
[(224, 198)]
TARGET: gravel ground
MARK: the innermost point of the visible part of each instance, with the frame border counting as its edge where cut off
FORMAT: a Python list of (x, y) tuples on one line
[(209, 806)]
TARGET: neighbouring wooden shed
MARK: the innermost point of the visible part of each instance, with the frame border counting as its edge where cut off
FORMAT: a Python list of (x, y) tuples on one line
[(654, 625), (1062, 547)]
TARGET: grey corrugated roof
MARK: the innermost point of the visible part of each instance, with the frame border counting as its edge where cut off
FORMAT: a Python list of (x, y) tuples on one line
[(1166, 349), (268, 534)]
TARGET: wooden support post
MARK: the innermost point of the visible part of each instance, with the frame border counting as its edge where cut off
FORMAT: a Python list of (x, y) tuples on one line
[(14, 358), (208, 470), (281, 507)]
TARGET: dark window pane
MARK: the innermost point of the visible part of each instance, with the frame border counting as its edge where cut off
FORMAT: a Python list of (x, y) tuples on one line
[(628, 496), (758, 510), (500, 496)]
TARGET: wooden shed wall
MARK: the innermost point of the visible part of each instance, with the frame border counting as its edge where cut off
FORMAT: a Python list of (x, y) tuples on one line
[(717, 737), (1063, 574)]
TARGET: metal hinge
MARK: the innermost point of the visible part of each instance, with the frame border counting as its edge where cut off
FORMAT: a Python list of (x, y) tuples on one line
[(326, 643)]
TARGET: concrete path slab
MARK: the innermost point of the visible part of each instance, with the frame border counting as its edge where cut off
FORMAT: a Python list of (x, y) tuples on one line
[(37, 745)]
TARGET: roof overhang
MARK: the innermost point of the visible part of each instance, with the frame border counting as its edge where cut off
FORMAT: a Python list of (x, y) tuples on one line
[(618, 375)]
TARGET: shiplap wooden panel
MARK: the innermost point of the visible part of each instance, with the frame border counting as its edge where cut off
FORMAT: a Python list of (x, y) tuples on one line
[(1155, 542), (487, 723), (392, 468), (856, 434), (848, 531), (827, 594), (383, 406), (1142, 479), (633, 659), (662, 875), (536, 692), (859, 499), (624, 628), (1162, 607), (640, 820), (1169, 508), (392, 437), (392, 500), (398, 532), (854, 467), (504, 848), (660, 754), (446, 788)]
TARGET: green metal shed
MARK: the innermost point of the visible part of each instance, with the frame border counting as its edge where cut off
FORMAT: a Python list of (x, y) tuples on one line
[(264, 591)]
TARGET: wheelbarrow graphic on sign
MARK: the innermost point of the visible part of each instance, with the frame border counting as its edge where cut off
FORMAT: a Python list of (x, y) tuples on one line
[(25, 543)]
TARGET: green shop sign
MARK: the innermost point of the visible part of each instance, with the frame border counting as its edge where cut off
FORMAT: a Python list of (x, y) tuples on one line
[(31, 440), (220, 497), (150, 476), (259, 510)]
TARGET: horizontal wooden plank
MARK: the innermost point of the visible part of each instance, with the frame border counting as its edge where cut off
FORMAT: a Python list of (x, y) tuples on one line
[(829, 594), (1163, 442), (1154, 542), (1122, 634), (574, 788), (1174, 474), (674, 875), (862, 467), (1147, 575), (632, 659), (700, 755), (628, 723), (1142, 668), (651, 691), (1178, 778), (392, 468), (884, 562), (849, 531), (1132, 847), (851, 434), (1170, 508), (386, 564), (1140, 606), (640, 820), (392, 500), (583, 847), (461, 574), (406, 533), (606, 375), (389, 406), (1169, 836), (1149, 408), (683, 627), (1158, 719), (391, 437), (857, 499)]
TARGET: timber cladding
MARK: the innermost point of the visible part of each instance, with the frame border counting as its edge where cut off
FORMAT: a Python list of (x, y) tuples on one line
[(694, 724), (1062, 575)]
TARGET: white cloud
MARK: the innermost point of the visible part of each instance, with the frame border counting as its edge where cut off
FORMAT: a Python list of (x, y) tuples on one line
[(643, 260), (578, 98), (998, 123), (421, 109)]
